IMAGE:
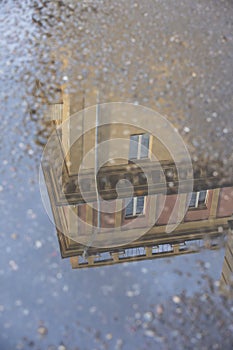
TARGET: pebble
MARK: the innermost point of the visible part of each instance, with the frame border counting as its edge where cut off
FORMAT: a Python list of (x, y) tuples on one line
[(149, 333), (59, 275), (13, 265), (148, 316), (42, 330), (61, 347), (159, 310), (65, 288), (109, 336), (26, 312), (144, 270), (176, 299), (38, 244), (92, 309), (179, 311), (119, 344)]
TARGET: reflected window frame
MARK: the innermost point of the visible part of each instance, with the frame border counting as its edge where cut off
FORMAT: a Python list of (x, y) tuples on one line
[(134, 208), (198, 200), (139, 151)]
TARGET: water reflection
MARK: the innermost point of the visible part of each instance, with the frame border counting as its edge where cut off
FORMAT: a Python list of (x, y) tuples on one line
[(227, 270), (173, 57), (120, 193)]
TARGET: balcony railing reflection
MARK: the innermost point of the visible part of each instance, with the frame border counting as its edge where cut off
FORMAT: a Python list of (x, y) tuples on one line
[(141, 253)]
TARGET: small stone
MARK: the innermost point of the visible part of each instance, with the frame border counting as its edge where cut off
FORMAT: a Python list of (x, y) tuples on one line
[(14, 236), (144, 270), (119, 344), (92, 309), (149, 333), (59, 275), (38, 244), (61, 347), (13, 265), (42, 330), (148, 316), (65, 288), (186, 129), (130, 293), (109, 336), (159, 310), (137, 315), (176, 299), (217, 284), (30, 152), (179, 311)]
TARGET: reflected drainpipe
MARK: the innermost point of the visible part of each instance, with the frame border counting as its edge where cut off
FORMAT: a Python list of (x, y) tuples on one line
[(97, 161), (96, 230)]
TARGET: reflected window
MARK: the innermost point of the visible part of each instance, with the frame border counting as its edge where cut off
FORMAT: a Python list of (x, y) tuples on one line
[(135, 207), (198, 199), (139, 146), (55, 112)]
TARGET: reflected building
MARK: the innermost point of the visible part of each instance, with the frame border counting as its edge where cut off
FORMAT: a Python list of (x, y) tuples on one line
[(226, 283), (116, 193)]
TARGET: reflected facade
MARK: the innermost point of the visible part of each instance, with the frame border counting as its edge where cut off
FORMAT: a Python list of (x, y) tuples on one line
[(129, 208)]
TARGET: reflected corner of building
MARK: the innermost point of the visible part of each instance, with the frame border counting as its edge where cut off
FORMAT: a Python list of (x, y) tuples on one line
[(204, 225)]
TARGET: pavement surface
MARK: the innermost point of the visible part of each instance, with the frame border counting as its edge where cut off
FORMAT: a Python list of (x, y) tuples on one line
[(172, 56)]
